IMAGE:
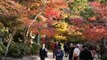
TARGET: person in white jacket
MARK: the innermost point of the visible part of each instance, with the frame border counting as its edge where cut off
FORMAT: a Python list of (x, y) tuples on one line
[(76, 52)]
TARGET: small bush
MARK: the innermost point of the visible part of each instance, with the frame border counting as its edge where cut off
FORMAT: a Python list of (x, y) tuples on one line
[(18, 50), (2, 50), (104, 58), (35, 48), (48, 45)]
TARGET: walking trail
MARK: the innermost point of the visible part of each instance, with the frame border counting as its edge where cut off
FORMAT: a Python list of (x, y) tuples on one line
[(50, 57)]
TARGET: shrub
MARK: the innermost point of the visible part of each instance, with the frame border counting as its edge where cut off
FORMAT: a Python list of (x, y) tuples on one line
[(104, 58), (2, 50), (48, 45), (35, 48), (18, 50)]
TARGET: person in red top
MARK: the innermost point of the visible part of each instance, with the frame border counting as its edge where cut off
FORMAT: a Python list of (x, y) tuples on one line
[(55, 47)]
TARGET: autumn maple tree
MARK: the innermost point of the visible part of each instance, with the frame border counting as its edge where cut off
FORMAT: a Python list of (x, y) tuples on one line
[(99, 27), (60, 19)]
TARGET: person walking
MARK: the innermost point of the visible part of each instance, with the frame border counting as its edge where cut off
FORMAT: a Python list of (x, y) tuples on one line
[(59, 54), (66, 49), (85, 54), (71, 49), (76, 52), (94, 53), (43, 52), (55, 47)]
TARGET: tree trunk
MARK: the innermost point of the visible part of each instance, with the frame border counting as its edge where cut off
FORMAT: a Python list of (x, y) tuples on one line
[(27, 37), (10, 40)]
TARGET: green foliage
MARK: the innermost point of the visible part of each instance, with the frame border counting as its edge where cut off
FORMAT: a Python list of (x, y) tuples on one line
[(1, 28), (76, 39), (10, 21), (97, 0), (2, 50), (35, 48), (86, 13), (48, 45), (104, 58), (18, 50), (18, 37), (101, 0), (78, 5)]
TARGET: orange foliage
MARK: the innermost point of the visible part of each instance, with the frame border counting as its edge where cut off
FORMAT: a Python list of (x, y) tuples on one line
[(95, 33), (9, 8), (52, 13), (100, 8), (27, 21), (49, 32), (57, 4), (92, 18)]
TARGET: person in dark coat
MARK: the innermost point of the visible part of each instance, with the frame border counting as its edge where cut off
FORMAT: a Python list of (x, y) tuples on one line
[(71, 49), (85, 54), (59, 54), (66, 49), (43, 53)]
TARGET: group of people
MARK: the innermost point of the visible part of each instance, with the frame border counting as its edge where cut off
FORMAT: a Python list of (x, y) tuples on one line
[(57, 52), (80, 51), (73, 51)]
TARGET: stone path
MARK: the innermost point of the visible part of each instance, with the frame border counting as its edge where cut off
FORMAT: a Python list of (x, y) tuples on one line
[(50, 57)]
